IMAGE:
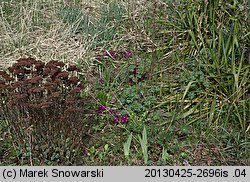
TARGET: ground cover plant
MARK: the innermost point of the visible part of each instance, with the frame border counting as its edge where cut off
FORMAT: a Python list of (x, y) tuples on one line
[(145, 82)]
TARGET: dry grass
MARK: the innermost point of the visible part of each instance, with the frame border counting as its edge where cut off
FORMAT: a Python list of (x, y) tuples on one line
[(34, 29)]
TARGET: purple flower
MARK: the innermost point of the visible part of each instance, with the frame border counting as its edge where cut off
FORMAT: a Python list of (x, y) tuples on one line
[(115, 114), (116, 120), (130, 81), (124, 119), (99, 57), (134, 72), (116, 55), (130, 53), (124, 54), (101, 109), (105, 59), (112, 55), (84, 151), (105, 53), (102, 81), (116, 117), (120, 55)]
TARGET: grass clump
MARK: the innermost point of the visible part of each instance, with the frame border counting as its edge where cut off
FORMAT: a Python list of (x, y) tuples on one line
[(209, 39), (100, 28)]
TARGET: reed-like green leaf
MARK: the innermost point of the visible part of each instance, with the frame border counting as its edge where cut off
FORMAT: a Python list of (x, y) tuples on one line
[(126, 145)]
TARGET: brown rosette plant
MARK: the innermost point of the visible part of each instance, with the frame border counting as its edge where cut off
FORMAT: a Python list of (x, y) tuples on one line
[(43, 105)]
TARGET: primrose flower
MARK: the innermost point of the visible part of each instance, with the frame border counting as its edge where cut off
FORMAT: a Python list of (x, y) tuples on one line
[(113, 55), (130, 53), (116, 120), (116, 56), (130, 81), (101, 109), (124, 54), (105, 53), (102, 81), (124, 119), (134, 72)]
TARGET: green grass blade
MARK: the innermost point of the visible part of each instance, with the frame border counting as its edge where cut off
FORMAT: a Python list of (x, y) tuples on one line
[(126, 145)]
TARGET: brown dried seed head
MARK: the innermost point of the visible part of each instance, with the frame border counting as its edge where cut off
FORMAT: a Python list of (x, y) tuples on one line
[(19, 96), (11, 69), (3, 86), (51, 88), (3, 73), (18, 71), (81, 86), (30, 60), (78, 109), (58, 81), (39, 65), (59, 63), (63, 75), (35, 79), (70, 101), (75, 91), (26, 71), (74, 80), (73, 109), (36, 90), (50, 65), (21, 60), (6, 76), (16, 84), (54, 72), (56, 94), (72, 67), (70, 109), (46, 72), (53, 64), (23, 63), (33, 105), (45, 105)]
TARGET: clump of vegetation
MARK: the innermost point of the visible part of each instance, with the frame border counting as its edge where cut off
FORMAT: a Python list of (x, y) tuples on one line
[(170, 81), (44, 107)]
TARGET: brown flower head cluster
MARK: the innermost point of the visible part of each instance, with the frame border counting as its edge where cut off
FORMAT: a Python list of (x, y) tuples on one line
[(44, 95)]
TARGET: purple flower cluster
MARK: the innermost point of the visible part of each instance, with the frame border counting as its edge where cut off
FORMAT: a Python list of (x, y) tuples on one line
[(133, 74), (115, 55), (102, 109)]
